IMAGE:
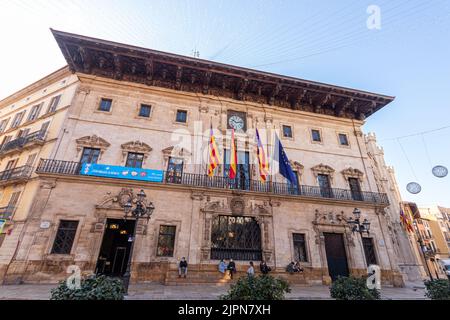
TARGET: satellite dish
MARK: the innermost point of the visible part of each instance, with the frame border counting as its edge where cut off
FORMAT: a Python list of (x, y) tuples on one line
[(440, 171), (413, 187)]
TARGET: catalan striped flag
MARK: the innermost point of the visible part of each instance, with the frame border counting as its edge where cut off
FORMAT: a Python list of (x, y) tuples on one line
[(406, 220), (262, 160), (213, 154), (233, 157)]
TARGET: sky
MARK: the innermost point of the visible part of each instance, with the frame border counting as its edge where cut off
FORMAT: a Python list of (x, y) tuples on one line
[(403, 52)]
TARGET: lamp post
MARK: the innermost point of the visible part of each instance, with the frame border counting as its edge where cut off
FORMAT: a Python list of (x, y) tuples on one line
[(360, 227), (141, 209)]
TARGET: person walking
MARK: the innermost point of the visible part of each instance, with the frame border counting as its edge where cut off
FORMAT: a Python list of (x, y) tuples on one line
[(182, 268), (251, 270), (231, 268)]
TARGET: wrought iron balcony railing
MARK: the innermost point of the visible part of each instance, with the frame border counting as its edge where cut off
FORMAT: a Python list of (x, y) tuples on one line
[(23, 172), (37, 136), (7, 212), (219, 182)]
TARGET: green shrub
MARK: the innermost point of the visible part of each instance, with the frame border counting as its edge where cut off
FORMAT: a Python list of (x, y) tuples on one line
[(91, 288), (352, 288), (438, 289), (263, 287)]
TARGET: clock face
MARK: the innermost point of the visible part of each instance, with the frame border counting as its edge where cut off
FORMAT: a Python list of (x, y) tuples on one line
[(236, 122)]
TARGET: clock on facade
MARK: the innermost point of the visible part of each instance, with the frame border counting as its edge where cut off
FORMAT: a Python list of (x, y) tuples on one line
[(237, 121)]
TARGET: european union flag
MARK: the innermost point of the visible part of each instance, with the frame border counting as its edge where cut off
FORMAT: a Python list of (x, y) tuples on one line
[(284, 164)]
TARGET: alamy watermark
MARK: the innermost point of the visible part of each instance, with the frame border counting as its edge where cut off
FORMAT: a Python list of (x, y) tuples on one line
[(374, 19)]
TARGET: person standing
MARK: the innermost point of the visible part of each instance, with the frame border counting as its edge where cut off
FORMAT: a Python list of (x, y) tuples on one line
[(251, 270), (182, 268), (231, 268)]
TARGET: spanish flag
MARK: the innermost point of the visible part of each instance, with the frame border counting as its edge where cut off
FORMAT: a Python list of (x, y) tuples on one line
[(233, 157), (213, 154), (262, 160)]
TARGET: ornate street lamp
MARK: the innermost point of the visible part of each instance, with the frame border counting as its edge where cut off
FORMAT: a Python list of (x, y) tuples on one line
[(141, 209), (356, 224)]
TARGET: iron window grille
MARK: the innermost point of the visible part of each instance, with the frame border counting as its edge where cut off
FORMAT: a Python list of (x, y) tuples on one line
[(299, 247), (369, 251), (166, 241), (65, 237), (236, 237)]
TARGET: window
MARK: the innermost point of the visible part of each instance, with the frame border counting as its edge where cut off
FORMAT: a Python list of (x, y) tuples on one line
[(3, 124), (299, 247), (324, 185), (11, 164), (9, 210), (53, 104), (105, 105), (343, 139), (287, 131), (134, 160), (6, 140), (17, 119), (65, 237), (181, 116), (44, 129), (23, 133), (174, 170), (34, 113), (315, 135), (145, 110), (30, 159), (90, 155), (369, 251), (166, 241), (355, 189)]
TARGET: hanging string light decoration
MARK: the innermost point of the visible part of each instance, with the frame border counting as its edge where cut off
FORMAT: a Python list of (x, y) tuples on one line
[(440, 171), (413, 187)]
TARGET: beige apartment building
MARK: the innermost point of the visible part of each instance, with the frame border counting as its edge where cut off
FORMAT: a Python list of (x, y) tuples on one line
[(118, 115)]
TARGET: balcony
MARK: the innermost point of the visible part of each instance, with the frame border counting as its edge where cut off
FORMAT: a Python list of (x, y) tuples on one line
[(7, 212), (19, 174), (59, 167), (17, 145)]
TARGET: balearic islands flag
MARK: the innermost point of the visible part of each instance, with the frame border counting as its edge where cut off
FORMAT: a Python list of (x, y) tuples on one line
[(213, 154), (262, 160)]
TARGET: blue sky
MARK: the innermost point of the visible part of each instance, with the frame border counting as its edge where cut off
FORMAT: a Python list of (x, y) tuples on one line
[(326, 41)]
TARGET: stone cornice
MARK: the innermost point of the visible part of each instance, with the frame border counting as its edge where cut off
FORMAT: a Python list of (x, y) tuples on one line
[(155, 68)]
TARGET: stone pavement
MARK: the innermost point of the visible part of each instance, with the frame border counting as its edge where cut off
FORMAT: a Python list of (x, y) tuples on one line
[(200, 292)]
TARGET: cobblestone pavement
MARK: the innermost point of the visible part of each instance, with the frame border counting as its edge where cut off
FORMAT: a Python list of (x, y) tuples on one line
[(199, 292)]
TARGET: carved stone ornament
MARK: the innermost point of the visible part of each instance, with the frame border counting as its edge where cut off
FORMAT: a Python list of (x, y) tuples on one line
[(93, 141), (330, 218), (323, 169), (237, 206), (297, 166), (176, 152), (352, 173), (117, 201), (135, 147)]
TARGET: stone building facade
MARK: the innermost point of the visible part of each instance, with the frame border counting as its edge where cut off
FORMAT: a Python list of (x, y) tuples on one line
[(132, 108)]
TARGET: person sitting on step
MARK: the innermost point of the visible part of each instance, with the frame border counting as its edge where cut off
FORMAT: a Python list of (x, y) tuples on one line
[(222, 266)]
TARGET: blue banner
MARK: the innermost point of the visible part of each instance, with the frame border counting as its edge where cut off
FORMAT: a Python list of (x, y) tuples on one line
[(118, 172)]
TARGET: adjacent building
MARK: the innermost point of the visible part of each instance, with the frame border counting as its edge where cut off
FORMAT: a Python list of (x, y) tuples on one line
[(83, 141)]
